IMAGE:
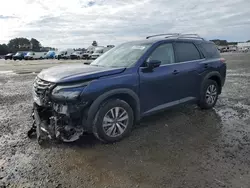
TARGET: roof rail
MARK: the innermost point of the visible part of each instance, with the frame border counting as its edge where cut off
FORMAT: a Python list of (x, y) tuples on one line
[(178, 35), (167, 34), (192, 36)]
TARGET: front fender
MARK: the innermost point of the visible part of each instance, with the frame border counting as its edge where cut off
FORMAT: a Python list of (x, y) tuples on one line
[(94, 107)]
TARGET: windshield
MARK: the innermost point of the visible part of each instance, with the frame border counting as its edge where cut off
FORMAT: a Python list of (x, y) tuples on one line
[(29, 53), (18, 53), (50, 52), (61, 52), (124, 55), (99, 50)]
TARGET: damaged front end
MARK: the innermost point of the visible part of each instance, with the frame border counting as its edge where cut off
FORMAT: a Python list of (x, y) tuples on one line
[(58, 113)]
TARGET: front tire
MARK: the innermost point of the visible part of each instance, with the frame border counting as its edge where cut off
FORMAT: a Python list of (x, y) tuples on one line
[(113, 121), (209, 94)]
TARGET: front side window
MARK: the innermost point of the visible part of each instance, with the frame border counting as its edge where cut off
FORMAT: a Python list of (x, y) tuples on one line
[(163, 53), (186, 52)]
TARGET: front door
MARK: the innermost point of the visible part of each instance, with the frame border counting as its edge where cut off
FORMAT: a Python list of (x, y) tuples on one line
[(159, 87)]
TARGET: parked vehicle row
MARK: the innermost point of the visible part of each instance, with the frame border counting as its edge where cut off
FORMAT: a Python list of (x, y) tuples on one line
[(29, 55), (15, 56), (19, 56), (35, 55), (92, 52), (8, 56)]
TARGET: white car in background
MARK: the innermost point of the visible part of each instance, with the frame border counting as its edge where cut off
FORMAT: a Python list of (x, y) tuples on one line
[(64, 54), (35, 55), (77, 55), (99, 50), (245, 50), (90, 50)]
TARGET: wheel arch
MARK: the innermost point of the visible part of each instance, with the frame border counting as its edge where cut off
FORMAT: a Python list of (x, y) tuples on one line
[(216, 77), (125, 94)]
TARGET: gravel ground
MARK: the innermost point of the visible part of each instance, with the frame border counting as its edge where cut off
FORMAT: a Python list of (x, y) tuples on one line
[(181, 147)]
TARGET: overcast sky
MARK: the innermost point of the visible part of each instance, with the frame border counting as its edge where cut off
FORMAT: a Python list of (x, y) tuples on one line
[(76, 23)]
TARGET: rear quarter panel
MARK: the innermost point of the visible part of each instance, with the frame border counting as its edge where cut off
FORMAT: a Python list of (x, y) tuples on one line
[(214, 65)]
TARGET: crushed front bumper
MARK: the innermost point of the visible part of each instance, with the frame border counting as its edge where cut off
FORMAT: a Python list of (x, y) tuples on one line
[(56, 118), (60, 122)]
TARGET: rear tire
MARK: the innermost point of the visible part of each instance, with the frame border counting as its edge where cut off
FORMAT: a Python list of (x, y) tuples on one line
[(209, 94), (113, 121)]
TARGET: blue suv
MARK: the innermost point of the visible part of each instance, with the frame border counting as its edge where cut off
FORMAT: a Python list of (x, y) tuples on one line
[(132, 80)]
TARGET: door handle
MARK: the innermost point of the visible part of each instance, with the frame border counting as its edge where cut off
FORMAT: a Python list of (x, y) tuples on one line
[(206, 65), (175, 72)]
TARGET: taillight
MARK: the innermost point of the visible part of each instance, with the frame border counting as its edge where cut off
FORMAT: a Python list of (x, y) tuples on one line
[(223, 60)]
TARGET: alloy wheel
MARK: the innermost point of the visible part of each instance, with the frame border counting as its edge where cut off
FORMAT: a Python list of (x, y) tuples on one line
[(115, 121), (211, 94)]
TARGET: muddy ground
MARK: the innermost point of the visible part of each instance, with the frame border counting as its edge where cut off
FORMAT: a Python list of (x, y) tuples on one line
[(182, 147)]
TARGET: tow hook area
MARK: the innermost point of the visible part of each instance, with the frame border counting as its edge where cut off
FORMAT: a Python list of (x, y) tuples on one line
[(38, 128), (32, 130)]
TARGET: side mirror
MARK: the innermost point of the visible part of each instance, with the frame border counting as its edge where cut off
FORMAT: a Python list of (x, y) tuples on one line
[(153, 64)]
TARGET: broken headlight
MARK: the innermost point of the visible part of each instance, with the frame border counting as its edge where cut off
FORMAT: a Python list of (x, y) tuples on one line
[(68, 92)]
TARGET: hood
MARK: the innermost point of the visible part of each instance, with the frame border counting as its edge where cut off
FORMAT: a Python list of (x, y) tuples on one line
[(76, 72), (9, 55)]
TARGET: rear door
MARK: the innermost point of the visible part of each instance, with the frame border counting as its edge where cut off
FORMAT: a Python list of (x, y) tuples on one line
[(187, 64)]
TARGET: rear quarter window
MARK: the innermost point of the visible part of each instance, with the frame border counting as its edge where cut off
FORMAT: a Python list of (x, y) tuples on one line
[(210, 50), (185, 51)]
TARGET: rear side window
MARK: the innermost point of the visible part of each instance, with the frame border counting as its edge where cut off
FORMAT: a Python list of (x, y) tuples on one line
[(210, 50), (186, 52)]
